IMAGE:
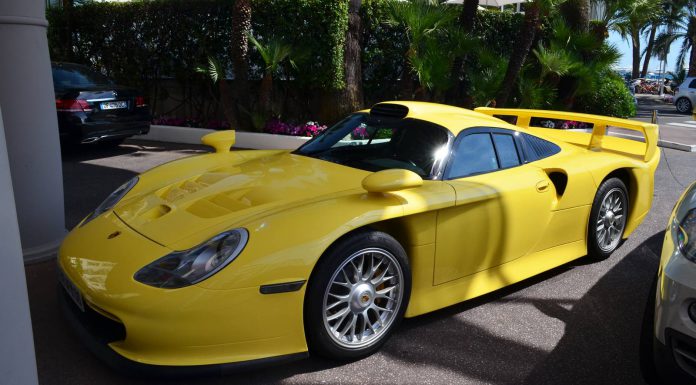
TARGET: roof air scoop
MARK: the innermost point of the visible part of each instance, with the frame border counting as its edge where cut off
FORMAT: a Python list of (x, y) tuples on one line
[(389, 110)]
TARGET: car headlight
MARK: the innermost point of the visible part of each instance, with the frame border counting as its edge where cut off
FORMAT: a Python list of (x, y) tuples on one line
[(184, 268), (111, 200), (684, 233)]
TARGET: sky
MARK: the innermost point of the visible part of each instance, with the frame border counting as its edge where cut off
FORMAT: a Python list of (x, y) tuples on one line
[(627, 56)]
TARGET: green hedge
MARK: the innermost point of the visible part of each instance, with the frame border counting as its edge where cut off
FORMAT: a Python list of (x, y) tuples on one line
[(138, 41), (384, 46)]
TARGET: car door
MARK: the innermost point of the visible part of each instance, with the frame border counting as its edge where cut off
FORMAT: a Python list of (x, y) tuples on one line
[(502, 205)]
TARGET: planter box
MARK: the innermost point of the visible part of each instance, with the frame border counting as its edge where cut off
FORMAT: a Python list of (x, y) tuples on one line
[(251, 140)]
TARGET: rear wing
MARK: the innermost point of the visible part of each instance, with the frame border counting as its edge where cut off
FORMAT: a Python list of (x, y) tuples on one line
[(596, 140)]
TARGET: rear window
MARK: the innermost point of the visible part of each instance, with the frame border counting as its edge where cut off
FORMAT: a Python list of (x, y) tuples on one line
[(74, 76), (537, 148)]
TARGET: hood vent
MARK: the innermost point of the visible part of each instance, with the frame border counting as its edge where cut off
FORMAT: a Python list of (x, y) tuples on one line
[(389, 110)]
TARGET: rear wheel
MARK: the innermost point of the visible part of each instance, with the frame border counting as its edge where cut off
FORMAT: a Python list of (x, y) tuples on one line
[(357, 296), (607, 219), (683, 105)]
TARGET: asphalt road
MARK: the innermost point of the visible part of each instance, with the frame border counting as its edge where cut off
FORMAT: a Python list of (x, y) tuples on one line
[(577, 324), (674, 126)]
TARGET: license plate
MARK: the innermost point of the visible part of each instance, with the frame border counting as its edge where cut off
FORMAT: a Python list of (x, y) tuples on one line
[(114, 105), (72, 290)]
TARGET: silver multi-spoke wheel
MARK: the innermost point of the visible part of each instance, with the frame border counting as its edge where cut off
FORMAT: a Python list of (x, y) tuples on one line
[(611, 220), (363, 298)]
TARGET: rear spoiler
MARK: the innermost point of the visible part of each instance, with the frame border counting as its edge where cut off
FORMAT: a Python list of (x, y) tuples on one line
[(600, 124)]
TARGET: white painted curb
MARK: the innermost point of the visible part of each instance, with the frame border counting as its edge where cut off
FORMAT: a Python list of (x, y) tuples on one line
[(252, 140)]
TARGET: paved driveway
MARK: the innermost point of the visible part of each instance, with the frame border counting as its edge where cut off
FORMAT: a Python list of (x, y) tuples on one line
[(578, 324)]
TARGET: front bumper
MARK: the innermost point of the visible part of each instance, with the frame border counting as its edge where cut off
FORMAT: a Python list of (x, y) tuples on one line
[(76, 127), (164, 328), (675, 330), (93, 330)]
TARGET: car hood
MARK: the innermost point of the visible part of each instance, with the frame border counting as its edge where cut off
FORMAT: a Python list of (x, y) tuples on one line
[(179, 204)]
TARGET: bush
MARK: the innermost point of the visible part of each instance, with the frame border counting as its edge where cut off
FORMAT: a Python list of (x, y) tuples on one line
[(611, 97), (140, 43)]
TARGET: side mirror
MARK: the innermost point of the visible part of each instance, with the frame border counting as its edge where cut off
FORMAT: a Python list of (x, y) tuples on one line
[(221, 141), (391, 180)]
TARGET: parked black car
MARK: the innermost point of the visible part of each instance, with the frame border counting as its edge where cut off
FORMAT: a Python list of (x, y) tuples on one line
[(92, 108)]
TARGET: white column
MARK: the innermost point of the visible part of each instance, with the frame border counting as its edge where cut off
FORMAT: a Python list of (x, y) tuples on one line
[(18, 365), (31, 127)]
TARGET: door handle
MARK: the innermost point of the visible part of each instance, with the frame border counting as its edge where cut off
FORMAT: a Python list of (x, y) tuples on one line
[(543, 186)]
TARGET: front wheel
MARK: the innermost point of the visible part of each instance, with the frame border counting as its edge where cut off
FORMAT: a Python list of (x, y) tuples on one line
[(357, 296), (607, 219), (683, 105)]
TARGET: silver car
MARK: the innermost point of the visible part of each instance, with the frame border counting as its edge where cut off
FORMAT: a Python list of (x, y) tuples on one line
[(674, 318), (685, 95)]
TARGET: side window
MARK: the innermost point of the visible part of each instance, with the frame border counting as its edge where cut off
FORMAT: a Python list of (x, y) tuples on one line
[(473, 155), (507, 152), (692, 84), (537, 148)]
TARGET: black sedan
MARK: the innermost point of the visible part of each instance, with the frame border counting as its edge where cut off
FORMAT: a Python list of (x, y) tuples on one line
[(92, 108)]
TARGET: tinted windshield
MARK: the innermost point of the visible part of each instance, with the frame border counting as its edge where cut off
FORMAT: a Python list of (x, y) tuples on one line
[(371, 144), (75, 76)]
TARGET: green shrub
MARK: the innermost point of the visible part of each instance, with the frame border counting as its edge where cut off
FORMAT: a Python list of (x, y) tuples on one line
[(610, 97), (137, 41)]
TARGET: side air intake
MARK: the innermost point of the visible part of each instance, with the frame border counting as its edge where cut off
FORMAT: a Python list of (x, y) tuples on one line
[(388, 110)]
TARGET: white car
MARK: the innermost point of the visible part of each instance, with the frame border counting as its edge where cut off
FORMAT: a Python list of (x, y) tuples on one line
[(685, 95), (673, 323)]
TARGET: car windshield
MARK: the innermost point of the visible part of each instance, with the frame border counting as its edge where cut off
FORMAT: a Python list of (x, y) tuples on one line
[(374, 144), (75, 76)]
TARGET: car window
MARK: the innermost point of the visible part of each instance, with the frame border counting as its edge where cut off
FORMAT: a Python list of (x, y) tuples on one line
[(537, 148), (474, 154), (692, 84), (373, 144), (506, 149), (72, 76)]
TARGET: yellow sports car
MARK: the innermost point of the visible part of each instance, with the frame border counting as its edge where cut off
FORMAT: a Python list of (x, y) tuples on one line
[(236, 258)]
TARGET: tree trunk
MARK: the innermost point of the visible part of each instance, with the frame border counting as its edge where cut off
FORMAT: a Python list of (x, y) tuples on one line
[(692, 60), (648, 50), (241, 26), (266, 95), (406, 81), (524, 43), (351, 97), (466, 20), (635, 38), (577, 14), (68, 30)]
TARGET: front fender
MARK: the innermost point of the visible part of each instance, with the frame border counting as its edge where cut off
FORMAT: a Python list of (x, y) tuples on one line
[(285, 246)]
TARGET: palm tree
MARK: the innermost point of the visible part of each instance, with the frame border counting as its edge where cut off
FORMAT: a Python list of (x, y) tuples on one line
[(632, 20), (681, 26), (426, 23), (527, 34), (273, 53), (466, 23)]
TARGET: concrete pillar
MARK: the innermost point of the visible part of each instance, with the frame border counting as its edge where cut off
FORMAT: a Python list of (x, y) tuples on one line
[(31, 127), (18, 365)]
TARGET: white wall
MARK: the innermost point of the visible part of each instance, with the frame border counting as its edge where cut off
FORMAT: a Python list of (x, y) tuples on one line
[(31, 126), (17, 362)]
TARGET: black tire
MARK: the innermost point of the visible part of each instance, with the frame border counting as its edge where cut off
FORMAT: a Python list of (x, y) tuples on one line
[(329, 269), (597, 247), (683, 105)]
